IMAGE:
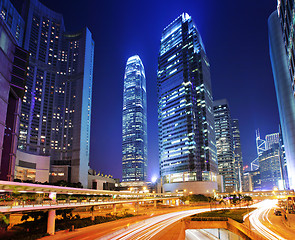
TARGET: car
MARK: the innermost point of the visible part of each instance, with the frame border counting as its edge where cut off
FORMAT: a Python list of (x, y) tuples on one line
[(277, 212)]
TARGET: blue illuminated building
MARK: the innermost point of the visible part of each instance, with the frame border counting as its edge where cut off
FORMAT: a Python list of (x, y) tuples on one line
[(134, 129), (270, 168), (187, 151), (279, 55)]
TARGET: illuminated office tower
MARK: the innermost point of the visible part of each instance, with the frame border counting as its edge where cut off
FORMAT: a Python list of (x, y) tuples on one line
[(56, 109), (187, 151), (270, 168), (134, 129), (227, 166), (238, 152), (282, 60)]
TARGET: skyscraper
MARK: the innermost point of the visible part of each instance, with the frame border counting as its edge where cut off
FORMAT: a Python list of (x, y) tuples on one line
[(227, 166), (270, 168), (56, 109), (283, 86), (134, 129), (238, 152), (187, 151)]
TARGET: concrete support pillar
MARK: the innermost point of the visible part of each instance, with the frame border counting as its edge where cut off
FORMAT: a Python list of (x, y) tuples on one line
[(114, 208), (51, 222), (177, 202), (136, 206), (155, 203)]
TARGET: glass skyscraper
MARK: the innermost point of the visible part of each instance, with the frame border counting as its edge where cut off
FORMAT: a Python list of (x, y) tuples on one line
[(187, 150), (225, 145), (283, 83), (134, 129)]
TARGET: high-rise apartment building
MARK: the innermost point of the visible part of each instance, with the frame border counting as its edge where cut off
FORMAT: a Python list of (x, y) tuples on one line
[(187, 151), (13, 68), (227, 166), (134, 129), (56, 109), (238, 152), (280, 53)]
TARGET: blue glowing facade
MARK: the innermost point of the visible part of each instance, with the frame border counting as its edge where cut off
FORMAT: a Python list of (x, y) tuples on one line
[(187, 150), (270, 167), (134, 129), (284, 92)]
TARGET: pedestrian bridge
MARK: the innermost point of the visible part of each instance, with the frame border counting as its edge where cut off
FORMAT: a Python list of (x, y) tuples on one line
[(94, 198)]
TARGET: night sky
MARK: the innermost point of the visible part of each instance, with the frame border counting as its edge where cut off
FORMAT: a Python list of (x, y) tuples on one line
[(236, 40)]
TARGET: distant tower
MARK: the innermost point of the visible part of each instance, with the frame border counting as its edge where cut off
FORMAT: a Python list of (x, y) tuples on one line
[(260, 144), (134, 130), (187, 150), (225, 146), (238, 152)]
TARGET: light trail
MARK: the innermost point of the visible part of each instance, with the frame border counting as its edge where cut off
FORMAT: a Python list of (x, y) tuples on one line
[(199, 235), (147, 229), (261, 212)]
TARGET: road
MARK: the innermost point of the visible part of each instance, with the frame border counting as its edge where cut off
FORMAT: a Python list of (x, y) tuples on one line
[(129, 228), (267, 224), (149, 228)]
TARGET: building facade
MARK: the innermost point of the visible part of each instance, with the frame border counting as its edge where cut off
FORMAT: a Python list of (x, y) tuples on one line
[(13, 68), (271, 139), (281, 42), (238, 152), (134, 129), (270, 168), (187, 150), (286, 13), (227, 166), (34, 168), (56, 109)]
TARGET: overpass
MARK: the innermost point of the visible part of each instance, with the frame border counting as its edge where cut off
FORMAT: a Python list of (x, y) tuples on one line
[(93, 199)]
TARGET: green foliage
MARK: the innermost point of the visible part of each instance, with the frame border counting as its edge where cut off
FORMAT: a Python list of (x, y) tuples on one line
[(235, 214), (65, 213), (31, 230), (194, 198), (37, 216)]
